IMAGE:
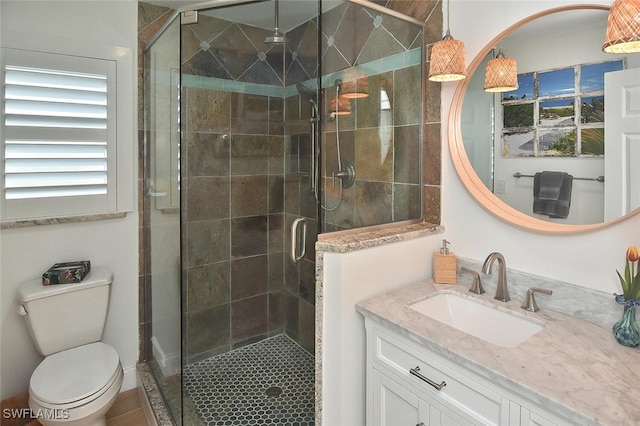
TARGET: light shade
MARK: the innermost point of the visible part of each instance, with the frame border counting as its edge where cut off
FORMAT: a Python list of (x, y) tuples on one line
[(340, 106), (355, 89), (354, 84), (623, 27), (447, 60), (501, 74)]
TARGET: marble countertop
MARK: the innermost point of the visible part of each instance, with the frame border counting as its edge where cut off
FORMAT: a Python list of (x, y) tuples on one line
[(572, 368)]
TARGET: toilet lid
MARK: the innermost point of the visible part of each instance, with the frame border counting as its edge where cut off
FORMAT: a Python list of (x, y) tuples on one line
[(74, 374)]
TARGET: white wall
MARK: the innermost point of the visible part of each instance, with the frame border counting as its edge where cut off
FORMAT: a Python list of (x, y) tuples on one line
[(27, 252), (587, 260), (348, 279)]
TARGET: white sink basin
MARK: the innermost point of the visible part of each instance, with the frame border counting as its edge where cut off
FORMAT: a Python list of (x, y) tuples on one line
[(485, 321)]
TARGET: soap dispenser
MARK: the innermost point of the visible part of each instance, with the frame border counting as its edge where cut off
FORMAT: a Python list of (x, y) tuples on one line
[(444, 265)]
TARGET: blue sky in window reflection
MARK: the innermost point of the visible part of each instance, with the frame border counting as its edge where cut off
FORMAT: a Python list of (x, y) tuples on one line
[(561, 82), (557, 92)]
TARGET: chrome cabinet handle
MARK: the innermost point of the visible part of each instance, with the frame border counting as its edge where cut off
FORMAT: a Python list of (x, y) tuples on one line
[(294, 239), (415, 372)]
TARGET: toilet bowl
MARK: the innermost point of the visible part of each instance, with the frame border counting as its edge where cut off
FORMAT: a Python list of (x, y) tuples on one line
[(76, 386), (80, 377)]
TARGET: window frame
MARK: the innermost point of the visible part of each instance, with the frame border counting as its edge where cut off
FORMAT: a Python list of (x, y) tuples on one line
[(121, 157), (537, 100)]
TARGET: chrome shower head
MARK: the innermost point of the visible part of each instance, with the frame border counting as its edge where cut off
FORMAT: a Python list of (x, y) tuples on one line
[(277, 37), (309, 93), (306, 90)]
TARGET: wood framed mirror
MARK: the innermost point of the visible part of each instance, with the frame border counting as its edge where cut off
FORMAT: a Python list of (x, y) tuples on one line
[(537, 28)]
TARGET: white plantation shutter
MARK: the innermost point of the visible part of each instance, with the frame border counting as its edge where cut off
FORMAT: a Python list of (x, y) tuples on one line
[(59, 134)]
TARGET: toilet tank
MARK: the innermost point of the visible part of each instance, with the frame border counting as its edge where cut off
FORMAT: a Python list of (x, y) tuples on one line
[(64, 316)]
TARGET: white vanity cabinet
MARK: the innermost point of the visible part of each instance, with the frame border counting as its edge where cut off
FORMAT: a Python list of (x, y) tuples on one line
[(402, 389), (538, 418), (394, 405)]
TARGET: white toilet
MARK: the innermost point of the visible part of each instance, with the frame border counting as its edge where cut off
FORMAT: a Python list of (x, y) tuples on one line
[(80, 377)]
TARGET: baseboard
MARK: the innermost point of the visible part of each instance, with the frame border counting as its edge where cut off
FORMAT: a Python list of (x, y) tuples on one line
[(169, 363), (130, 379)]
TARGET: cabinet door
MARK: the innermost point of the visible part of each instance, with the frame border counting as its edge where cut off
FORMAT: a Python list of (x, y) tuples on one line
[(437, 417), (394, 405), (463, 395), (539, 418)]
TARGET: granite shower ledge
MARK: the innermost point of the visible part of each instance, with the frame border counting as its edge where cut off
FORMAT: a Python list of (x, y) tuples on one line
[(572, 368), (345, 243)]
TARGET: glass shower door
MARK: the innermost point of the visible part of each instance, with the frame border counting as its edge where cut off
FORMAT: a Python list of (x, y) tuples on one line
[(245, 155), (245, 178), (162, 216)]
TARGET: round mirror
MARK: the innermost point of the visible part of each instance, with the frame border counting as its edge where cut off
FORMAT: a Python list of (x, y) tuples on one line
[(555, 154)]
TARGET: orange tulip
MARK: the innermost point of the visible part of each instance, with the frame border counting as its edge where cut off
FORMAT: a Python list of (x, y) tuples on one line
[(630, 282)]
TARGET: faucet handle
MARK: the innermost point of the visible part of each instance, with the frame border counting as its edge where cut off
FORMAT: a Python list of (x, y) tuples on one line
[(476, 287), (529, 303)]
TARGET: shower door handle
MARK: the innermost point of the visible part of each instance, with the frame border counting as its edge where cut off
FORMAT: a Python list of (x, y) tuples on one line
[(295, 239)]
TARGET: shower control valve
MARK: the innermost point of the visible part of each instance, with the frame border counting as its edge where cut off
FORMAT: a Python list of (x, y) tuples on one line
[(347, 175)]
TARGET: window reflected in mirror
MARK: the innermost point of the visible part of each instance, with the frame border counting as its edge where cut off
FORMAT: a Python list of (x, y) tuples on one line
[(557, 113), (554, 121)]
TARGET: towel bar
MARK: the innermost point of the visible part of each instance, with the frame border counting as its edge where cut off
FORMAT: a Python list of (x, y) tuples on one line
[(599, 178)]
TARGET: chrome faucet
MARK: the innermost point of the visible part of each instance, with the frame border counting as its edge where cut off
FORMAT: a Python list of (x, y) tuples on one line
[(529, 303), (476, 287), (502, 291)]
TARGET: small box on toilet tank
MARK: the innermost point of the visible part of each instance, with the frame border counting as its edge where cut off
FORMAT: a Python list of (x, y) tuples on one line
[(444, 265)]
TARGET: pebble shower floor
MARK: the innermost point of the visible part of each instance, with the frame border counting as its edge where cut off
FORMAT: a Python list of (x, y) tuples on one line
[(268, 383)]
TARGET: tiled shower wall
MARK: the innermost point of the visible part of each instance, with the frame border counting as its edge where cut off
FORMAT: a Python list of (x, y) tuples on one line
[(234, 219), (284, 300), (239, 194)]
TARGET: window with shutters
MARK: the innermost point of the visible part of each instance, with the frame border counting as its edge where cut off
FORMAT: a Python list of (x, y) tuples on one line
[(59, 137)]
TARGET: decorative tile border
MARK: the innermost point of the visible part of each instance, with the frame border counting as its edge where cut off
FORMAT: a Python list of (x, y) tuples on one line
[(390, 63)]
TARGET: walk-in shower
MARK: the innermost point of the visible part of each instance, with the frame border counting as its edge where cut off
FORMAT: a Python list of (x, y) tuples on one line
[(252, 150)]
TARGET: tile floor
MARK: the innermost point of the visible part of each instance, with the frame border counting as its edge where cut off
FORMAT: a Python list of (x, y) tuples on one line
[(126, 411), (268, 383)]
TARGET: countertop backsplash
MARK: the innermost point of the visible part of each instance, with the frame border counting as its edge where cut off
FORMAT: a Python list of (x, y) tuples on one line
[(590, 305)]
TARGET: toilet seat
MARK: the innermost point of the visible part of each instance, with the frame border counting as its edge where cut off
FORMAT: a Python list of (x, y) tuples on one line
[(75, 376)]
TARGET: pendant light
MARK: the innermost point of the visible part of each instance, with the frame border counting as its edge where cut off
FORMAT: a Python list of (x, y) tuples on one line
[(623, 27), (354, 84), (447, 59), (356, 89), (340, 106), (501, 74)]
